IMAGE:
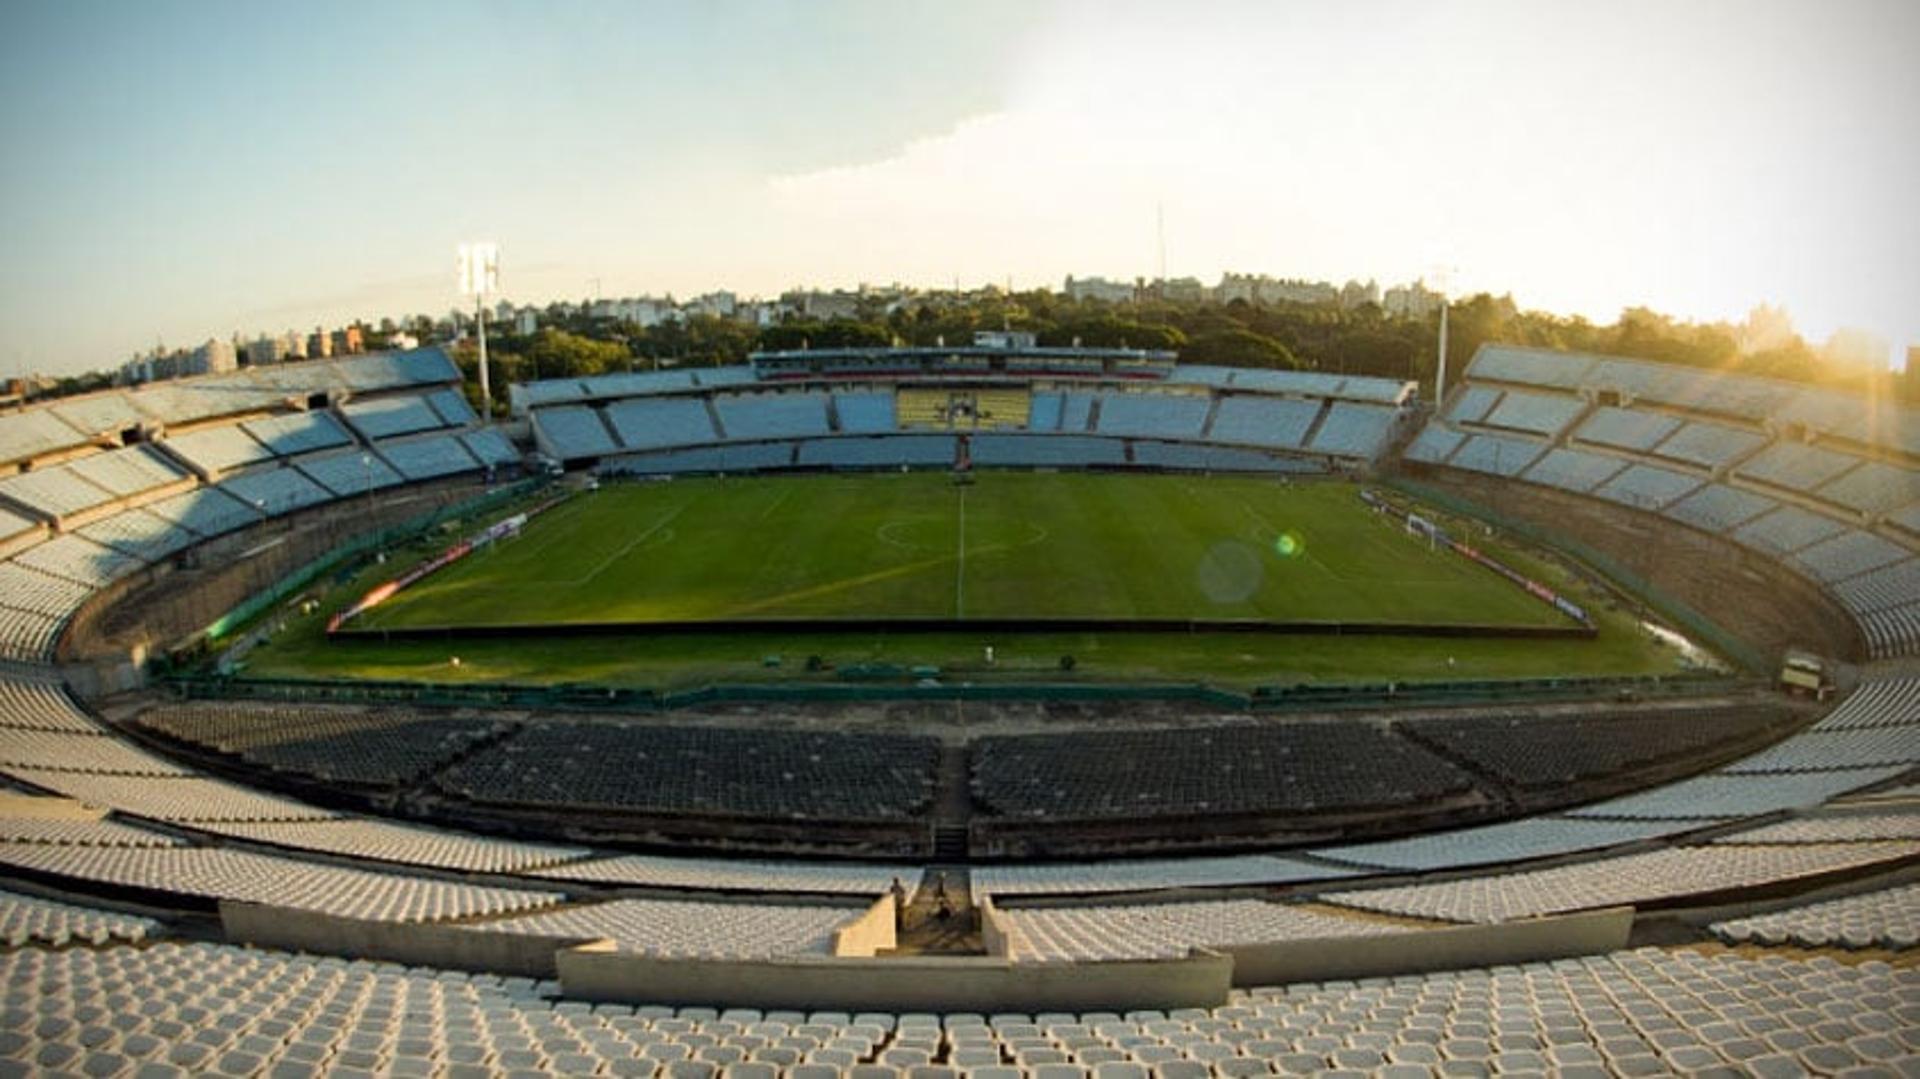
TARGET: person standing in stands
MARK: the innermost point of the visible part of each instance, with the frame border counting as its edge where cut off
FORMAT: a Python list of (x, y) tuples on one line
[(899, 892)]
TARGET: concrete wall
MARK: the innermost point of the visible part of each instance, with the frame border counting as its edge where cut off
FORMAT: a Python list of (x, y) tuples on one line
[(1451, 948), (995, 934), (400, 942), (870, 932), (917, 983)]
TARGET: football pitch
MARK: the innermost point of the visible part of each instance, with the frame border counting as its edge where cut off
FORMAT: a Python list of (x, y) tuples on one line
[(1009, 546)]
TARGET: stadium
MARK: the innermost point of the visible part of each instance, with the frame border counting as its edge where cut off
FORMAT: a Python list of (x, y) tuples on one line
[(988, 710)]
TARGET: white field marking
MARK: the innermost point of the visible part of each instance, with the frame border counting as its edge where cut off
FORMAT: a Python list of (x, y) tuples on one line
[(785, 490), (629, 546)]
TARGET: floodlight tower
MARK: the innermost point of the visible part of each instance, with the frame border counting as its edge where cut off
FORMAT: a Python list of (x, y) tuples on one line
[(480, 275), (1442, 277)]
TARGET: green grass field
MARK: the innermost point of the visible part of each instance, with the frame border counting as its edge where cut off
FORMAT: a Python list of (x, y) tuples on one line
[(915, 546), (1126, 544)]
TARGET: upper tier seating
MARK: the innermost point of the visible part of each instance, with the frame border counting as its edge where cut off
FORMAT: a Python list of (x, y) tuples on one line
[(215, 450), (275, 491), (54, 492), (1626, 428), (573, 432), (1281, 423), (1169, 930), (1574, 470), (1153, 415), (1710, 445), (690, 929), (490, 447), (429, 458), (350, 472), (656, 422), (1351, 430), (300, 432), (752, 417), (388, 417), (1535, 413), (864, 413), (1795, 466)]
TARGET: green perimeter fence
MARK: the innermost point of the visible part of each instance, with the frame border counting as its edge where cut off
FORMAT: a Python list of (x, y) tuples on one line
[(927, 686), (1695, 623), (260, 602)]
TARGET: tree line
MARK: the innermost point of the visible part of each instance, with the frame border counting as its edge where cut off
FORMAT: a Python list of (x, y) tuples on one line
[(1359, 340)]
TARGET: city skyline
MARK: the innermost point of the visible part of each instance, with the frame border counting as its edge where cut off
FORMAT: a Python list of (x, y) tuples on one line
[(1699, 161)]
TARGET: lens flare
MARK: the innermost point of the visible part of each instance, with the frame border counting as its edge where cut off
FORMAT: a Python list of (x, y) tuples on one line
[(1289, 545)]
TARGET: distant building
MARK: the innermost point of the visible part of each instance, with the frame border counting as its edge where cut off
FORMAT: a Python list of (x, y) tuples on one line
[(1007, 339), (1411, 301), (349, 341), (716, 304), (822, 306), (1354, 294), (319, 344), (526, 322), (216, 357), (1183, 290), (402, 340), (1098, 288)]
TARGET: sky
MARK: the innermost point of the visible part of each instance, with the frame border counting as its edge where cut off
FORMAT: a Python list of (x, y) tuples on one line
[(175, 171)]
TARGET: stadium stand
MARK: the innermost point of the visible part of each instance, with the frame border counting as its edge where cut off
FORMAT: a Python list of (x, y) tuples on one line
[(128, 473), (733, 874), (1873, 488), (490, 447), (1647, 487), (1642, 1012), (349, 472), (275, 491), (1888, 918), (31, 433), (687, 929), (212, 451), (655, 422), (572, 433), (207, 512), (405, 844), (1508, 841), (1632, 878), (1153, 415), (379, 748), (211, 873), (301, 432), (1709, 445), (1496, 455), (77, 558), (753, 457), (1786, 530), (1048, 451), (1795, 467), (1187, 457), (754, 417), (1627, 429), (390, 417), (1719, 508), (1435, 444), (1353, 430), (1293, 767), (881, 451), (1534, 413), (428, 458), (1573, 470), (26, 919), (654, 769), (864, 413), (1169, 930), (1147, 875), (54, 493), (1280, 423), (1546, 752), (452, 406)]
